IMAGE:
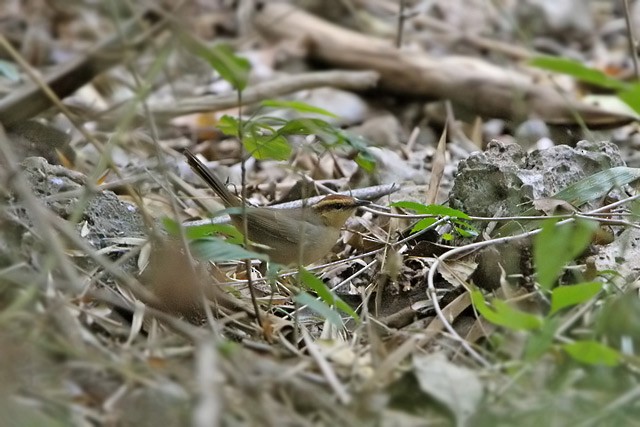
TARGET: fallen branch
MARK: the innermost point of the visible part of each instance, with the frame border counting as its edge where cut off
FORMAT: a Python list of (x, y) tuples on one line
[(369, 193), (36, 96), (350, 80), (483, 88)]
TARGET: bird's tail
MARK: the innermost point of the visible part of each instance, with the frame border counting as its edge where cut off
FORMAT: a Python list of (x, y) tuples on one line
[(213, 181)]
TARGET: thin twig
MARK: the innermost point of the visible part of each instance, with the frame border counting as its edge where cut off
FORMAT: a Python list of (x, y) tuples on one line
[(41, 93), (349, 80), (401, 19), (245, 220), (633, 50), (431, 290), (359, 193)]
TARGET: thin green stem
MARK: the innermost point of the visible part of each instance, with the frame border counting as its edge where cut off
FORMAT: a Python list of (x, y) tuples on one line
[(245, 223)]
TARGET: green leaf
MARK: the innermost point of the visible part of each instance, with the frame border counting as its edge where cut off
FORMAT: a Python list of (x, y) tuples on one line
[(597, 185), (199, 231), (439, 210), (540, 341), (582, 235), (578, 70), (357, 142), (567, 296), (271, 121), (229, 231), (549, 252), (423, 223), (593, 353), (635, 210), (419, 208), (315, 284), (172, 226), (555, 246), (301, 107), (481, 305), (260, 139), (232, 234), (631, 96), (514, 318), (577, 194), (465, 229), (366, 161), (229, 125), (320, 307), (311, 126), (216, 249), (231, 67), (502, 314), (262, 147)]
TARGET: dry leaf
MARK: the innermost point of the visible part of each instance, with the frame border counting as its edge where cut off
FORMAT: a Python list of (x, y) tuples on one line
[(457, 388)]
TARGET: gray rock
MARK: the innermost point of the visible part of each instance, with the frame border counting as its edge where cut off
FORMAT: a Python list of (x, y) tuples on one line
[(504, 178), (565, 19), (102, 217)]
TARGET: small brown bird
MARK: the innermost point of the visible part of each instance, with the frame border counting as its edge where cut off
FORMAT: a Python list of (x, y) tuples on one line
[(287, 236)]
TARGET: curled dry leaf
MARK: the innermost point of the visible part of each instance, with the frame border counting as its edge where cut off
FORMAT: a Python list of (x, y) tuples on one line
[(457, 388)]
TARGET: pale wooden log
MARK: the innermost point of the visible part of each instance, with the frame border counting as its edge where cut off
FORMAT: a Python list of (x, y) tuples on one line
[(481, 87)]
